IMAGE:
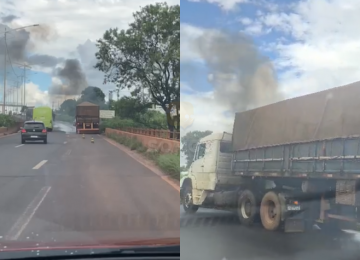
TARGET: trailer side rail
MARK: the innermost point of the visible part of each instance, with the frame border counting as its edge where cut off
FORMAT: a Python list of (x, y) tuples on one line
[(331, 158)]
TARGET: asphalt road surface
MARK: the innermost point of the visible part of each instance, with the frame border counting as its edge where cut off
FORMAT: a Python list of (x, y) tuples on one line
[(217, 235), (72, 190)]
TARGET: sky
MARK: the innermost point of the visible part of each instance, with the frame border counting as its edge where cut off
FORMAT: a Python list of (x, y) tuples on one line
[(261, 52), (68, 30)]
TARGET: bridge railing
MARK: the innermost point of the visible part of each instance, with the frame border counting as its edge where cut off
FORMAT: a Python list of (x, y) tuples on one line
[(165, 134)]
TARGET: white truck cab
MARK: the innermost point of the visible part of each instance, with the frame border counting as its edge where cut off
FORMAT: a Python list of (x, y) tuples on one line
[(211, 167)]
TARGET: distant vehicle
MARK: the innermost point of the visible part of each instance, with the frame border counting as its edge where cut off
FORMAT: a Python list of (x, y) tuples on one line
[(34, 131), (87, 118), (45, 115)]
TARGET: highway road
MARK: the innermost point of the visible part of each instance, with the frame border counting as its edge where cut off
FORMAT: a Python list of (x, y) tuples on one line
[(217, 235), (74, 191)]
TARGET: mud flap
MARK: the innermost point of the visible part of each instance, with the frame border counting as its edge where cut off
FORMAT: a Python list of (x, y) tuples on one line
[(295, 224)]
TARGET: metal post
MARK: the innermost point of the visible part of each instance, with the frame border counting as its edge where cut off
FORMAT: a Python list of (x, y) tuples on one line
[(17, 96), (24, 85), (4, 101)]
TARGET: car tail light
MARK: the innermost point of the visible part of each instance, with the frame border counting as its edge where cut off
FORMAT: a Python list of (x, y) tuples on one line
[(44, 130), (23, 131)]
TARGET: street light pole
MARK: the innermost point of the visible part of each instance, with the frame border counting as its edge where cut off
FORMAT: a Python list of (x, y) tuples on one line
[(5, 53), (5, 63)]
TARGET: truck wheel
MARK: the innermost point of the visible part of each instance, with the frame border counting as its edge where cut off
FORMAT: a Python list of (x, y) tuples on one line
[(188, 205), (270, 211), (246, 208)]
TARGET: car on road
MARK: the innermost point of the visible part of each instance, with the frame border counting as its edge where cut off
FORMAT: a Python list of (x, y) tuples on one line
[(33, 131)]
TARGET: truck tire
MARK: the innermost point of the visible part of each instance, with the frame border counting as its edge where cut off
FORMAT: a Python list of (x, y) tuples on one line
[(246, 208), (270, 211), (188, 205)]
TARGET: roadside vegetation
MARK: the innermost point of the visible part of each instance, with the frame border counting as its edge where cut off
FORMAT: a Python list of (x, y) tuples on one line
[(169, 163), (7, 121)]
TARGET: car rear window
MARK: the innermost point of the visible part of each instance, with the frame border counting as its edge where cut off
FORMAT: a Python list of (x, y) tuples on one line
[(34, 126)]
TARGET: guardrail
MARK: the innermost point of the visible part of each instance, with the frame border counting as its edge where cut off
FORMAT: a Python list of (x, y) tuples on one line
[(165, 134)]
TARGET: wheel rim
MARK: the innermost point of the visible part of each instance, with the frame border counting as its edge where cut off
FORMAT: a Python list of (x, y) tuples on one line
[(271, 211), (246, 209), (188, 199)]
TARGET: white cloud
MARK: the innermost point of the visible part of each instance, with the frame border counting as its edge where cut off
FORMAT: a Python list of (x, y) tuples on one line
[(207, 115), (36, 97), (325, 47), (199, 112), (224, 4)]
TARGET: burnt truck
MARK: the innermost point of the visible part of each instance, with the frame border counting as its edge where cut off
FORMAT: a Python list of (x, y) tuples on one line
[(289, 166), (87, 119)]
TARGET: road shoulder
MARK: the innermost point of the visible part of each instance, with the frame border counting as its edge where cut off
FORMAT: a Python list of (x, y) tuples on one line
[(146, 162)]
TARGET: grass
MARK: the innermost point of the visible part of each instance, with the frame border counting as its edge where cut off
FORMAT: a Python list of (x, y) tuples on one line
[(169, 163)]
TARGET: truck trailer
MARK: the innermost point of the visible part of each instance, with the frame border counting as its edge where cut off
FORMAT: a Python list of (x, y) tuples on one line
[(288, 165), (87, 118)]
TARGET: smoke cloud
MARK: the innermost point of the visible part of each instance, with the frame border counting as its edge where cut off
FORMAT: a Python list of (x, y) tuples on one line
[(20, 42), (242, 78), (72, 77), (44, 60), (8, 18)]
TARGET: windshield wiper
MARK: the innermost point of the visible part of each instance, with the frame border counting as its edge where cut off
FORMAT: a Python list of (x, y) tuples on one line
[(150, 251)]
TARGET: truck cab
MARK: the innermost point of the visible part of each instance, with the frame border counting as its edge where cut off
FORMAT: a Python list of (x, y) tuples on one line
[(211, 183), (209, 171)]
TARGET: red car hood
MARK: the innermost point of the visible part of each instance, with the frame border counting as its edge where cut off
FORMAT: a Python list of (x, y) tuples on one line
[(24, 246)]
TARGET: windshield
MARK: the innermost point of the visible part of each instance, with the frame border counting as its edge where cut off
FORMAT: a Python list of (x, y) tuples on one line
[(89, 126)]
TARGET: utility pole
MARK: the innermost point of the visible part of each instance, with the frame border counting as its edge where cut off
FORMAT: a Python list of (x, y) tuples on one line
[(17, 96), (5, 53), (5, 62), (24, 84)]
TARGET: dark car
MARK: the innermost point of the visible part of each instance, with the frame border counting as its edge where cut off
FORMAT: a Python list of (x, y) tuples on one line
[(33, 131)]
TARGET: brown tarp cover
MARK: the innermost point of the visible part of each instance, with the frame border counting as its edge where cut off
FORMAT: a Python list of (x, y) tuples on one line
[(327, 114)]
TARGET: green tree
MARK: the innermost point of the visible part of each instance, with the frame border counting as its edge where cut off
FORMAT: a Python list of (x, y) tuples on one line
[(146, 57), (94, 95), (189, 142), (137, 109), (130, 107), (68, 107)]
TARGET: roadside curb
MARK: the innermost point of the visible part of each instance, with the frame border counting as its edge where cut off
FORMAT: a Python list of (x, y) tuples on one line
[(6, 135), (151, 167)]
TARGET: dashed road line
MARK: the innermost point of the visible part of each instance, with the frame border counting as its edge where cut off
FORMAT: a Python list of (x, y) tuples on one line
[(65, 142), (20, 225), (38, 166), (19, 145)]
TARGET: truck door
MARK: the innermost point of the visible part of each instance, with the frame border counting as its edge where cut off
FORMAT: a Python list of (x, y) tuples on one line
[(197, 166)]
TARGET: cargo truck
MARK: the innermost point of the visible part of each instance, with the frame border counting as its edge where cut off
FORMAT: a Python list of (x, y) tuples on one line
[(87, 118), (288, 165)]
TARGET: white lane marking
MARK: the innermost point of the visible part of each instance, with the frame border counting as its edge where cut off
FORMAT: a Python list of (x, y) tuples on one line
[(19, 145), (65, 142), (22, 222), (39, 164)]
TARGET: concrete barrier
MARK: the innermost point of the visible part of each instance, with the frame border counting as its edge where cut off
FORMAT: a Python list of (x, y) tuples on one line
[(153, 143)]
